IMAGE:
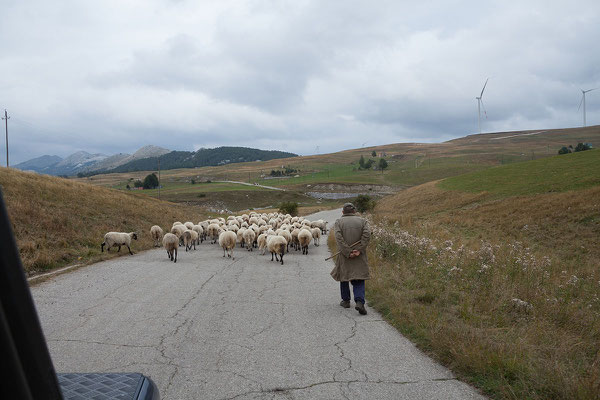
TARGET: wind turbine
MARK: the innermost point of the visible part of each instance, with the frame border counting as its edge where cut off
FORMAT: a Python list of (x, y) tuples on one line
[(583, 101), (479, 105)]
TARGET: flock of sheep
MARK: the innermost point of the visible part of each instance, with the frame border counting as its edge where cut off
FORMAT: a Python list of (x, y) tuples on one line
[(274, 232)]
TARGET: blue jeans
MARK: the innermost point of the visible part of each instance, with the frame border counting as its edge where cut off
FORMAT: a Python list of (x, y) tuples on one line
[(358, 287)]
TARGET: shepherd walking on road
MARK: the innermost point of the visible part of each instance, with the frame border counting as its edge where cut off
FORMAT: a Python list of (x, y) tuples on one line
[(351, 264)]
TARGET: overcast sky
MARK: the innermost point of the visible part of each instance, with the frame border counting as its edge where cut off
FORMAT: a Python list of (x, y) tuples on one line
[(302, 76)]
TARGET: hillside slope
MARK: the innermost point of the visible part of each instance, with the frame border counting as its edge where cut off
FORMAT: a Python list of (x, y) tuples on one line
[(201, 158), (496, 273), (58, 221), (409, 164)]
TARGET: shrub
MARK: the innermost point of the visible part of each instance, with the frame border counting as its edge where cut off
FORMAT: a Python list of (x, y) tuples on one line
[(582, 147), (373, 154), (364, 203), (564, 150), (138, 184), (289, 207), (150, 181)]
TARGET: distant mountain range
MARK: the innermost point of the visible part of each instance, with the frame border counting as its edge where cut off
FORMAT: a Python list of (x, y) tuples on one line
[(146, 158)]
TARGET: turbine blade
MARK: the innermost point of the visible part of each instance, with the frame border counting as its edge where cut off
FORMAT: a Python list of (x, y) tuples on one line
[(580, 103), (486, 81)]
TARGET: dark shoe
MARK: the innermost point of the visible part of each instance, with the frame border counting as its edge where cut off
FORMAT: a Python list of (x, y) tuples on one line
[(345, 303), (361, 308)]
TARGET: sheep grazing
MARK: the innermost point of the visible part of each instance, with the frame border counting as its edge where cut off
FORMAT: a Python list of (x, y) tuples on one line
[(227, 242), (249, 237), (316, 234), (170, 243), (157, 234), (277, 246), (118, 239), (304, 239)]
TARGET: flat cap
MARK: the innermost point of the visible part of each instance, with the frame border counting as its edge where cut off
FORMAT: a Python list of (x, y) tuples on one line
[(349, 208)]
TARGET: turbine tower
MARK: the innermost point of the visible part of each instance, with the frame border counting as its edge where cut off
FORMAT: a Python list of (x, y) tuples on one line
[(479, 105), (583, 102)]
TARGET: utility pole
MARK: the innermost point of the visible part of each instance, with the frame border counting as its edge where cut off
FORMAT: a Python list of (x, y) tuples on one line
[(159, 177), (5, 118)]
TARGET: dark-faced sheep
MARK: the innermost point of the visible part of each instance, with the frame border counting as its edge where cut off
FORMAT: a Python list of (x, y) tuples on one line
[(118, 239), (277, 246)]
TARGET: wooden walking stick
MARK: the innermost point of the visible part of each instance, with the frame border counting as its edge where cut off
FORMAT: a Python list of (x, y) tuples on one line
[(333, 255)]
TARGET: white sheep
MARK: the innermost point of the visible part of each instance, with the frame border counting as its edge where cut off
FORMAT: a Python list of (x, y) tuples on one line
[(304, 239), (295, 242), (170, 243), (213, 232), (189, 225), (157, 233), (277, 245), (240, 236), (188, 240), (320, 224), (262, 242), (227, 242), (288, 237), (249, 238), (178, 230), (316, 234), (200, 231), (118, 239)]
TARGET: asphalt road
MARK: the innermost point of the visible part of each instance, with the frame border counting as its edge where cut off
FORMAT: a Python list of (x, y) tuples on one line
[(209, 327)]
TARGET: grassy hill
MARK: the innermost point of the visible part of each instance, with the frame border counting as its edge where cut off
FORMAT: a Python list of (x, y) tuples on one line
[(496, 274), (410, 164), (60, 222)]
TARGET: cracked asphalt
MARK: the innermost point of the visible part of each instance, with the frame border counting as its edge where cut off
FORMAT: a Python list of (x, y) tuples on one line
[(209, 327)]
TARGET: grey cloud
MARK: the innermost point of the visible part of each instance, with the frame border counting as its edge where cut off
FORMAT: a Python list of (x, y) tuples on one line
[(291, 74)]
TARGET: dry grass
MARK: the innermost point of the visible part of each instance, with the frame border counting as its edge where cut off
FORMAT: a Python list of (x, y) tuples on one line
[(503, 290), (59, 221)]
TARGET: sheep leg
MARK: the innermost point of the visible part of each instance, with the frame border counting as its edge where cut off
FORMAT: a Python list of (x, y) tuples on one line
[(223, 251), (281, 257), (119, 249), (175, 250), (271, 256), (276, 259), (128, 248), (102, 246)]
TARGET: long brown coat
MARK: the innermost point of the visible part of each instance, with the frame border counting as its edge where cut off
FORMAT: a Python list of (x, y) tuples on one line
[(349, 229)]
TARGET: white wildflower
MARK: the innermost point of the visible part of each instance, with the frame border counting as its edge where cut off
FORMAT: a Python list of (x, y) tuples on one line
[(521, 304)]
